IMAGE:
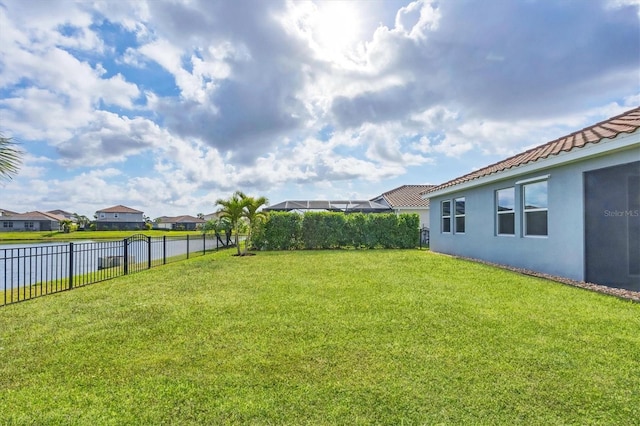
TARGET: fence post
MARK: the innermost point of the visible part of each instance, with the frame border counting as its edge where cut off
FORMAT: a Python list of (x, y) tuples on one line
[(70, 266), (187, 246), (149, 252), (164, 249), (126, 256)]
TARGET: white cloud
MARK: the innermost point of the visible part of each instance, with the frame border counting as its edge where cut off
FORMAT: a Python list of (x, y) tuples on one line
[(243, 90), (417, 18), (110, 138)]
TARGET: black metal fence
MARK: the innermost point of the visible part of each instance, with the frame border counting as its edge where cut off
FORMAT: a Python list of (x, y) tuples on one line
[(41, 269)]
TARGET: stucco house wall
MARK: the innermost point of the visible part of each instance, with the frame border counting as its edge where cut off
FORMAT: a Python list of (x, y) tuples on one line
[(560, 253), (423, 213), (119, 218), (581, 232), (184, 222), (29, 225), (30, 221)]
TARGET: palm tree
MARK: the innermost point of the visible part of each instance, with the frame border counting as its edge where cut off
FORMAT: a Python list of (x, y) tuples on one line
[(10, 158), (253, 215), (65, 225), (82, 221), (233, 210)]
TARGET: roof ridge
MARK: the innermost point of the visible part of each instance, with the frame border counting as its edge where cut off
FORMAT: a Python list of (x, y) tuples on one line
[(630, 121)]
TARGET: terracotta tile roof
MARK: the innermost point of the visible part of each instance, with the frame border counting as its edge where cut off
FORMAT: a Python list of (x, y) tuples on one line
[(63, 213), (35, 216), (627, 122), (119, 209), (180, 219), (407, 196)]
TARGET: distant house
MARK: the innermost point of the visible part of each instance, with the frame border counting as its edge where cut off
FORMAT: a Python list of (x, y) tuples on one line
[(212, 216), (31, 221), (408, 199), (4, 212), (184, 223), (570, 207), (119, 218), (63, 213)]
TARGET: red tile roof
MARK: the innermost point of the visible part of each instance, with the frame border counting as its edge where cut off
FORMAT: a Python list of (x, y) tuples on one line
[(119, 209), (180, 219), (407, 196), (627, 122), (35, 216)]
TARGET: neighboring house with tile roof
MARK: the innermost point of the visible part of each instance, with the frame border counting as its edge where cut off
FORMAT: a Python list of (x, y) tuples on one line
[(407, 199), (67, 215), (119, 218), (5, 212), (570, 207), (31, 221), (183, 223), (212, 216)]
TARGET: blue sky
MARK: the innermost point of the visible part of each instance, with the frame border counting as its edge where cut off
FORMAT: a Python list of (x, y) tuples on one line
[(166, 106)]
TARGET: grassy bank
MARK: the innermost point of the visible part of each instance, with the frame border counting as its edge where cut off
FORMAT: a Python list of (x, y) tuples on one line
[(341, 337), (85, 235)]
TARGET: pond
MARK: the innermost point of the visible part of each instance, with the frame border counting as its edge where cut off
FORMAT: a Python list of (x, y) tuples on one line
[(26, 264)]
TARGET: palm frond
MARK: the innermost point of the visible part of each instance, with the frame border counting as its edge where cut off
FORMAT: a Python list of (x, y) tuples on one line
[(10, 158)]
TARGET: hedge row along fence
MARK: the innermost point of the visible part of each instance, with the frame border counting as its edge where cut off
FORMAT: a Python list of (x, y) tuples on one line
[(331, 230)]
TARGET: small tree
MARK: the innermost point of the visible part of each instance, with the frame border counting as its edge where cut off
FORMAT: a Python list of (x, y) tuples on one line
[(82, 221), (253, 216), (241, 212), (65, 225), (233, 210)]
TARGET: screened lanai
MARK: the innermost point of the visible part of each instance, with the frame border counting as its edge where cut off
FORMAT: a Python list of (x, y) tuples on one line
[(351, 206)]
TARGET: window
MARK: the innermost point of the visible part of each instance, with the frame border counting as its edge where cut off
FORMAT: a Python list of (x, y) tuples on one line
[(102, 215), (446, 216), (505, 211), (7, 224), (28, 225), (115, 215), (535, 209), (459, 215)]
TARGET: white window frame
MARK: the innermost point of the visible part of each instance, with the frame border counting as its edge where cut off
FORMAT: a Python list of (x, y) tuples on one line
[(526, 210), (7, 224), (457, 216), (443, 217), (505, 212)]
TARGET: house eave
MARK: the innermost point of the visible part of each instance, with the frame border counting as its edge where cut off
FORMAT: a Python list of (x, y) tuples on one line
[(623, 142)]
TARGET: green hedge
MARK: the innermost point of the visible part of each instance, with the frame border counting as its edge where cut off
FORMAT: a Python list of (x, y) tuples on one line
[(281, 231), (330, 230)]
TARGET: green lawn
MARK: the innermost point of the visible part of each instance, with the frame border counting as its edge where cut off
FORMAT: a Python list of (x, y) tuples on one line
[(321, 337)]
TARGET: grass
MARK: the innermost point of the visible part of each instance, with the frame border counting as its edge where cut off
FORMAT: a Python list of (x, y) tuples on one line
[(43, 288), (321, 337), (44, 236)]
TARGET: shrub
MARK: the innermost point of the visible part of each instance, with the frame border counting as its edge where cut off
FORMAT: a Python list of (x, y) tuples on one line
[(328, 230), (281, 231)]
